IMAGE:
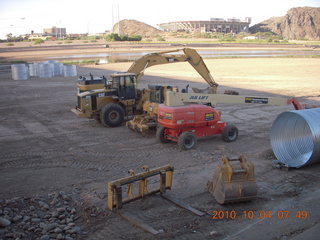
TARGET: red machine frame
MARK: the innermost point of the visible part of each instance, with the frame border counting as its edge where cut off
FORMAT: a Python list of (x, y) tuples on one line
[(184, 124)]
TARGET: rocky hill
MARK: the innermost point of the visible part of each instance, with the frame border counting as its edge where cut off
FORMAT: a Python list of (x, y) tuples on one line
[(298, 23), (133, 27)]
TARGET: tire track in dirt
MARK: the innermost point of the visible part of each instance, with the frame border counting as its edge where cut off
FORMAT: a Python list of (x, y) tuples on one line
[(160, 214), (31, 104), (27, 159), (117, 228)]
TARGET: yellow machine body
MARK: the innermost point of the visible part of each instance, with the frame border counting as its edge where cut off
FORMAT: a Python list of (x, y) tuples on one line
[(116, 197), (114, 101), (148, 119)]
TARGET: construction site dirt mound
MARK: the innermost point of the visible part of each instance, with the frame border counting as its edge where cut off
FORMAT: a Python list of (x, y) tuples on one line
[(133, 27), (298, 23)]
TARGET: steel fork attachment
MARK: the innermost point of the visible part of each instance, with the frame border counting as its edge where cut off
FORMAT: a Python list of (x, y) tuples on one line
[(115, 196)]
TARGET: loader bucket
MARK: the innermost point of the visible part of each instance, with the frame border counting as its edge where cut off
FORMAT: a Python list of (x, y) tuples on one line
[(141, 124), (233, 181)]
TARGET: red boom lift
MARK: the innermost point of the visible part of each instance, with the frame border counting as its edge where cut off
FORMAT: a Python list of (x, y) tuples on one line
[(184, 124)]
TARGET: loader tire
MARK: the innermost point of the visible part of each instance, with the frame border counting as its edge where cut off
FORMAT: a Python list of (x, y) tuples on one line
[(230, 133), (160, 135), (112, 115), (187, 141)]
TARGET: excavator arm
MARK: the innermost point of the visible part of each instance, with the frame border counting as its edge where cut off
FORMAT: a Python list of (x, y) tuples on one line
[(198, 64), (190, 55)]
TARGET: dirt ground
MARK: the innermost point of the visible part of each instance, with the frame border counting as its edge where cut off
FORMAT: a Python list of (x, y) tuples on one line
[(50, 156)]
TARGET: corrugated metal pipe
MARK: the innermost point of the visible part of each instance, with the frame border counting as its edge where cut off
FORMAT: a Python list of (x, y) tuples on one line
[(295, 137)]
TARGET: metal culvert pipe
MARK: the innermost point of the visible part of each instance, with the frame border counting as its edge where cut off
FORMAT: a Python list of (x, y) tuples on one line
[(295, 137)]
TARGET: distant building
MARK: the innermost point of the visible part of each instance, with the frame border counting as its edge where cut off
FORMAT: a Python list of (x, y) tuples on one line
[(37, 36), (231, 25), (55, 32)]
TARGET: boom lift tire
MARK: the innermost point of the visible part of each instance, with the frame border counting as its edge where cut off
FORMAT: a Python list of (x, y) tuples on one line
[(160, 135), (112, 115), (230, 133), (187, 141)]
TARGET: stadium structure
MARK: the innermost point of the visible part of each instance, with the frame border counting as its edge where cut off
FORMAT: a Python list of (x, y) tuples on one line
[(231, 25)]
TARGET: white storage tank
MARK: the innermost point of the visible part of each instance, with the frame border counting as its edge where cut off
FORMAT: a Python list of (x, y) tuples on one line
[(60, 69), (19, 72), (69, 70), (57, 69), (45, 70), (33, 69)]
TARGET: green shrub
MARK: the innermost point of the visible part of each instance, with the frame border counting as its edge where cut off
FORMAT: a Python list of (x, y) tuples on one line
[(85, 41), (161, 39), (112, 37), (115, 37), (80, 62), (10, 44), (264, 34), (134, 38), (227, 39), (93, 40), (68, 41), (93, 37), (38, 41), (205, 35), (59, 42), (173, 34)]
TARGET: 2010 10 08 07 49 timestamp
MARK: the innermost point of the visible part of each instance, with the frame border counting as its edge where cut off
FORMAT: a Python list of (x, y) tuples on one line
[(262, 214)]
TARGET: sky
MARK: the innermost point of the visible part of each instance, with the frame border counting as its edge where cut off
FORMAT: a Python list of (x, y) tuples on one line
[(96, 16)]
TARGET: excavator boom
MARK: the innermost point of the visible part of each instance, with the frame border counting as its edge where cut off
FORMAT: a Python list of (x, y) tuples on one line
[(190, 55), (152, 59), (198, 64)]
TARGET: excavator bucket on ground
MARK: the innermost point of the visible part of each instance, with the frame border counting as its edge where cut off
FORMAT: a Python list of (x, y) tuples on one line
[(233, 181)]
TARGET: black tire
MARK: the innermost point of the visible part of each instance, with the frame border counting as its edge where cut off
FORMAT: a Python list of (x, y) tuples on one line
[(160, 135), (230, 133), (112, 115), (187, 141)]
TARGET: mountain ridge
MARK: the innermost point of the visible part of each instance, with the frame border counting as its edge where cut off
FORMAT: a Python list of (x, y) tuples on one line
[(299, 23)]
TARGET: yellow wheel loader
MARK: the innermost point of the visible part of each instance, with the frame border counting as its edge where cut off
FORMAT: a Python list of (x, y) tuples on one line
[(118, 99)]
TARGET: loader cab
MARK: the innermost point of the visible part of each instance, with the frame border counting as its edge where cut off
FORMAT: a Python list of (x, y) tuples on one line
[(125, 84), (157, 92)]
